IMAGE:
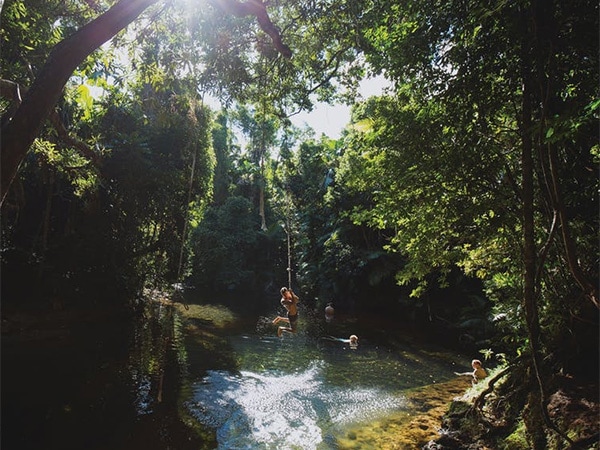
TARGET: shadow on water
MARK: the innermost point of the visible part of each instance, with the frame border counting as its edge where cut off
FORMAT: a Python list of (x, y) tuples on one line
[(202, 377), (103, 381)]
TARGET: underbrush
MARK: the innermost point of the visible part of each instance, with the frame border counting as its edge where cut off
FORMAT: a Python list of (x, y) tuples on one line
[(491, 414)]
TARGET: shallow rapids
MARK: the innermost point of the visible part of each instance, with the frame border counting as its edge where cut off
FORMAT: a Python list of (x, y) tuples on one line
[(279, 411), (298, 393)]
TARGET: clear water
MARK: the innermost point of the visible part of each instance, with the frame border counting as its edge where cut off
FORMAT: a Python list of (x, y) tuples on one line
[(301, 391), (113, 383)]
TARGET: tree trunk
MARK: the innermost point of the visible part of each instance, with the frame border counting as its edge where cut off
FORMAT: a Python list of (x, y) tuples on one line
[(19, 133), (534, 421), (261, 206), (533, 411), (47, 212)]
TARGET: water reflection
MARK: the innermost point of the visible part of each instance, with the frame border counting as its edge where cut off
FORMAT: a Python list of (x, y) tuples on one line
[(182, 377), (108, 382), (274, 410)]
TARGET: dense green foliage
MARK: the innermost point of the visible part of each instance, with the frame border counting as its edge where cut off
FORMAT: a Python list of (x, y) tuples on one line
[(450, 144), (465, 199), (104, 214)]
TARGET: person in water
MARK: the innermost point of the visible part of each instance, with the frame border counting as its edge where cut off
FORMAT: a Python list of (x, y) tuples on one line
[(329, 312), (352, 340), (478, 373), (289, 301)]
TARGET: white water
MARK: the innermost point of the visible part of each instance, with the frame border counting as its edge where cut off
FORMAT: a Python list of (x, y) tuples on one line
[(283, 411)]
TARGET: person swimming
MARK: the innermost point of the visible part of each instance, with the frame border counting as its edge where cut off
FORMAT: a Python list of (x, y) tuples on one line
[(352, 340)]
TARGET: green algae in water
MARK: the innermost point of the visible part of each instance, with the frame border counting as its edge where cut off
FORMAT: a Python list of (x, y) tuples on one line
[(217, 315)]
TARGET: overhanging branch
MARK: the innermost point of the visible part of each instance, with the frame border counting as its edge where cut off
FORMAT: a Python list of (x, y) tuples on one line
[(12, 91), (257, 9)]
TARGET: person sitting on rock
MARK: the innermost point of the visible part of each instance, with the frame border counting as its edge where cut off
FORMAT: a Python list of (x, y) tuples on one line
[(478, 373)]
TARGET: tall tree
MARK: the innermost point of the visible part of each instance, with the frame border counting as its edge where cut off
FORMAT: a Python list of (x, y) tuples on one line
[(261, 131), (490, 128), (24, 123)]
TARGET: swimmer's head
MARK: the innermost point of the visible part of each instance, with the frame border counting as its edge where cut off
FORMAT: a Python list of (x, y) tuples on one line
[(354, 339)]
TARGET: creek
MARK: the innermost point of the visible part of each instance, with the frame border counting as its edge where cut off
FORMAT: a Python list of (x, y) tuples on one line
[(205, 377)]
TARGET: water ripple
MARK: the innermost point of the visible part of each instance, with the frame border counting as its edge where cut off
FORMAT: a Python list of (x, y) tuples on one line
[(273, 410)]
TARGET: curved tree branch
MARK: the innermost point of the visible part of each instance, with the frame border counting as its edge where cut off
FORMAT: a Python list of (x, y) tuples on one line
[(72, 141), (19, 133), (480, 400), (543, 253), (588, 287), (23, 126), (257, 9), (12, 91)]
